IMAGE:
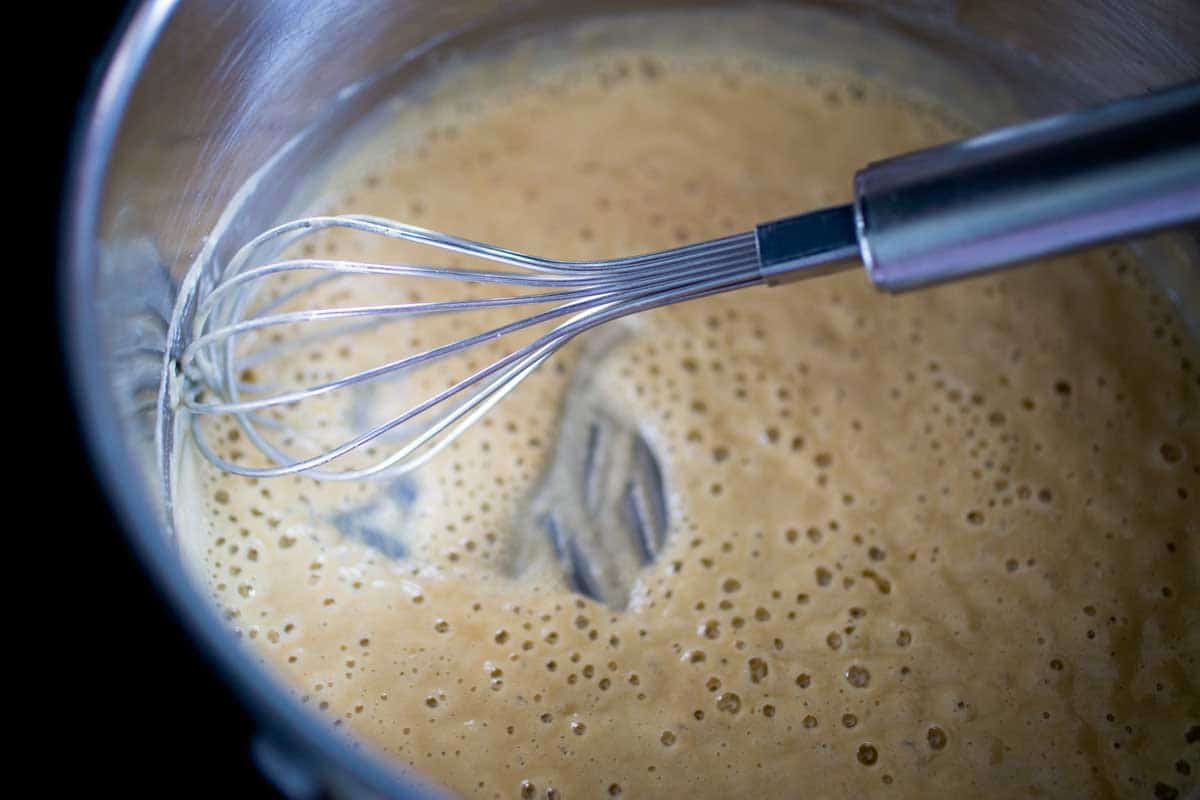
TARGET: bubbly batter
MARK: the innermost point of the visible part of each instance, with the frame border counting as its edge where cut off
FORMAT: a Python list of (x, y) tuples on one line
[(935, 545)]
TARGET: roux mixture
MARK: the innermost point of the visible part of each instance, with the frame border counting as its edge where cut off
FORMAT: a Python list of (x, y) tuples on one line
[(935, 545)]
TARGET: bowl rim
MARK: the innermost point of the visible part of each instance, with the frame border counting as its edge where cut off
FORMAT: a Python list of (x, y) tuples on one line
[(296, 748)]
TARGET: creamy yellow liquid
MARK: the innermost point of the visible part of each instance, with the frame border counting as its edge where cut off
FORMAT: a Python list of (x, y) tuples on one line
[(935, 545)]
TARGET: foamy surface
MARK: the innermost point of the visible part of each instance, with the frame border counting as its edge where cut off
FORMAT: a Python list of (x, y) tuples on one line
[(932, 545)]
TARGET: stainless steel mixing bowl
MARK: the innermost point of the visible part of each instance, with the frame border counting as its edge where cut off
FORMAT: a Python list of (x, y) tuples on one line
[(199, 95)]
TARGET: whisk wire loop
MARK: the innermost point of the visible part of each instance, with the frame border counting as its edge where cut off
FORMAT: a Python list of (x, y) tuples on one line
[(585, 293)]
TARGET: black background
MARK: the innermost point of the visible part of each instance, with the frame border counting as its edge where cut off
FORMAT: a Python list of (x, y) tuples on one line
[(132, 706)]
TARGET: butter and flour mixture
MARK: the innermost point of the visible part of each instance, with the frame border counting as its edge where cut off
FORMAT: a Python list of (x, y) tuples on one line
[(938, 545)]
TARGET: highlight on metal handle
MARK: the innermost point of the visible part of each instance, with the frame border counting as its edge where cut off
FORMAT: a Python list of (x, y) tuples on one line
[(1031, 190)]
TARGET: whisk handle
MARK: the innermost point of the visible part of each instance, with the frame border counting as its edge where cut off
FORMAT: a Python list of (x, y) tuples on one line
[(1031, 190)]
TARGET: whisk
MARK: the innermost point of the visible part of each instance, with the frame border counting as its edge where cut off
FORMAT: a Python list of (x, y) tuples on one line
[(928, 217)]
